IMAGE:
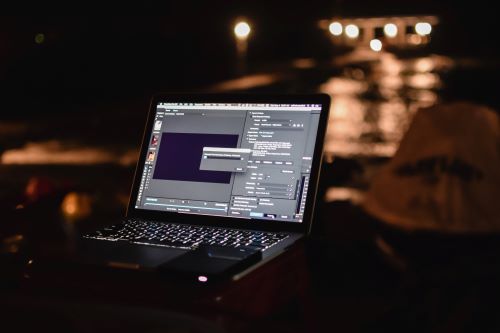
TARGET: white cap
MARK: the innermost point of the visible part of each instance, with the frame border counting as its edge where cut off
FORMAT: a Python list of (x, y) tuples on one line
[(445, 175)]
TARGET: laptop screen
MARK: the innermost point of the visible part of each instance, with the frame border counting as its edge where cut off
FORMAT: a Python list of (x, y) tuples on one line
[(250, 161)]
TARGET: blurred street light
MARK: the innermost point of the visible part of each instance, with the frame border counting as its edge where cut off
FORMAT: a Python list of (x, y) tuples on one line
[(352, 31), (390, 30), (335, 28), (376, 45), (423, 28), (241, 31), (395, 32)]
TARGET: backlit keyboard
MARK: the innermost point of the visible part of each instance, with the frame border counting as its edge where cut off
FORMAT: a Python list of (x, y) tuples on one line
[(185, 236)]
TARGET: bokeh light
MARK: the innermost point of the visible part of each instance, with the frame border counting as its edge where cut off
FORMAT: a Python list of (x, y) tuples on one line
[(39, 38), (423, 28), (76, 206), (242, 30), (352, 31), (390, 30), (335, 28), (376, 45)]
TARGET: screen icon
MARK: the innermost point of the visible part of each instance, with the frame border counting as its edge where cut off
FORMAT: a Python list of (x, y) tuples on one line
[(151, 156), (158, 124)]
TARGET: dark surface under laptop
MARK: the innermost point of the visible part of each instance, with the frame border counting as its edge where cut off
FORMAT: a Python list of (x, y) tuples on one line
[(249, 184)]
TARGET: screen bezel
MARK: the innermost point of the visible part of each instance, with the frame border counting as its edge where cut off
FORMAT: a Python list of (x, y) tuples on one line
[(224, 221)]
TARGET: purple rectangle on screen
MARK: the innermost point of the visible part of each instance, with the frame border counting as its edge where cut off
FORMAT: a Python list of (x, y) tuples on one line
[(179, 157)]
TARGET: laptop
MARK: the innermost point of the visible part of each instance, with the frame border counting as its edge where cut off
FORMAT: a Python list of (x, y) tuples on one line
[(227, 170)]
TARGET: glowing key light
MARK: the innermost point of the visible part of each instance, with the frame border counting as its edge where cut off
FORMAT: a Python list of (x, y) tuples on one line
[(242, 30), (202, 278), (352, 31), (376, 45), (390, 30), (423, 28), (335, 28)]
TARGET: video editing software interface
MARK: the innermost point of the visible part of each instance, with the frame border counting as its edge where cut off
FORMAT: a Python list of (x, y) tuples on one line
[(248, 161)]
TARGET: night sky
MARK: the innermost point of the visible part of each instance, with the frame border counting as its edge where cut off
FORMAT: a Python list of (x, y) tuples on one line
[(183, 45)]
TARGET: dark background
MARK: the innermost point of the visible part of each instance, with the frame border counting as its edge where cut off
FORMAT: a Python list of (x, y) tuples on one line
[(184, 45)]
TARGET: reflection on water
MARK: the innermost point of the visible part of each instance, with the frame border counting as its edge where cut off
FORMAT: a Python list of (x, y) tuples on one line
[(374, 99), (55, 152)]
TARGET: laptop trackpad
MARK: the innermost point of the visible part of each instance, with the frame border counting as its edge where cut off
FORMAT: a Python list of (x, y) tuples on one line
[(126, 255)]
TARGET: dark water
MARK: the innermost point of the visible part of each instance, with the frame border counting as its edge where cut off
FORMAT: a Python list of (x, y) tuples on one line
[(374, 97), (373, 101)]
